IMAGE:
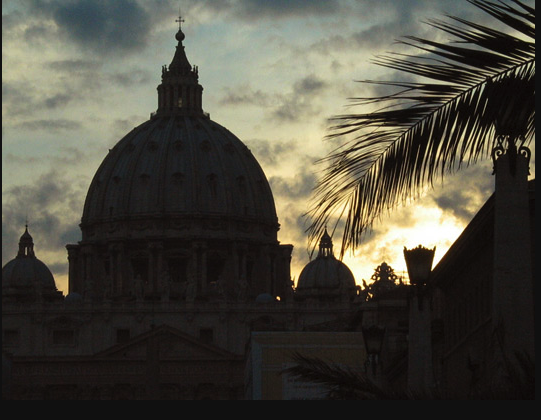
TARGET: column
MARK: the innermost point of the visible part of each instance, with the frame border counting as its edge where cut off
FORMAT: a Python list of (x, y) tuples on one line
[(420, 369), (74, 282), (513, 314)]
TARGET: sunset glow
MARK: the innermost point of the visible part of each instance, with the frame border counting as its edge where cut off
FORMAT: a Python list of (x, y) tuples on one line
[(272, 75)]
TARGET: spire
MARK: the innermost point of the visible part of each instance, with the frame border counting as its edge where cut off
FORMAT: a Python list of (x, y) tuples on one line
[(180, 64), (180, 91), (26, 244)]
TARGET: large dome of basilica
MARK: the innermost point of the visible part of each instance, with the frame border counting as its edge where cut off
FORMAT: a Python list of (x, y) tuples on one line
[(180, 169), (179, 209)]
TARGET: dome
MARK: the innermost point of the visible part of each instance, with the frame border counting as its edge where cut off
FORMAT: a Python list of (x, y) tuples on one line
[(179, 170), (185, 168), (26, 274), (179, 210), (325, 273), (22, 272)]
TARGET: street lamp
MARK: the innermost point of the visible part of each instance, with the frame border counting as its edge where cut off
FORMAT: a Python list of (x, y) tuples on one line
[(419, 263), (373, 341), (420, 372)]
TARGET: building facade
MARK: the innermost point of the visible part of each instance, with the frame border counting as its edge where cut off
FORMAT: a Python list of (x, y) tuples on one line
[(178, 264), (180, 289)]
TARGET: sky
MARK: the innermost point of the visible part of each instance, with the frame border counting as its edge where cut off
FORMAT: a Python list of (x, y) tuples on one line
[(77, 75)]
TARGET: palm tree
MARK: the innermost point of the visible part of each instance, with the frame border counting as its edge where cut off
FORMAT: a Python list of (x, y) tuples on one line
[(429, 128), (344, 383)]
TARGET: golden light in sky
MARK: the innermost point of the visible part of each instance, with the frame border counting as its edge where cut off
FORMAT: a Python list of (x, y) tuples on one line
[(73, 87)]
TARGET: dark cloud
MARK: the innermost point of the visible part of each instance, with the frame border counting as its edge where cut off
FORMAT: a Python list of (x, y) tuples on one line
[(245, 95), (105, 27), (308, 86), (39, 33), (52, 205), (66, 156), (57, 100), (270, 153), (50, 125), (300, 103), (75, 65), (297, 187), (462, 194), (76, 81), (29, 99), (291, 106), (382, 22), (17, 99), (265, 9), (130, 78)]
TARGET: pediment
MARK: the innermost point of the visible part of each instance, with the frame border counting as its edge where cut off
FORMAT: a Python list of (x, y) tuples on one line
[(166, 343)]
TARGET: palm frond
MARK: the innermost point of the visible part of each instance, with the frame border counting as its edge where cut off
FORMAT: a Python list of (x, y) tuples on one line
[(429, 127), (342, 382)]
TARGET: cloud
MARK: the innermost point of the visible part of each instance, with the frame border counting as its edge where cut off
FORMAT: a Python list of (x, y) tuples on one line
[(16, 100), (462, 194), (28, 99), (264, 9), (245, 95), (270, 152), (134, 77), (71, 66), (105, 27), (52, 204), (50, 125), (292, 106), (296, 187), (300, 103), (66, 156)]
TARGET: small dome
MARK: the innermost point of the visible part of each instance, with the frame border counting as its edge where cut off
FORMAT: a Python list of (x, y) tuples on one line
[(26, 274), (325, 272), (21, 272)]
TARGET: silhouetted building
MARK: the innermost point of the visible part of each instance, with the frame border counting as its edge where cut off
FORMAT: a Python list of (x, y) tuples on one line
[(179, 262), (463, 334), (179, 287)]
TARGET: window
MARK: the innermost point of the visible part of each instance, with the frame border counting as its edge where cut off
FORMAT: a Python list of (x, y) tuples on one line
[(63, 337), (122, 335), (206, 335), (10, 338)]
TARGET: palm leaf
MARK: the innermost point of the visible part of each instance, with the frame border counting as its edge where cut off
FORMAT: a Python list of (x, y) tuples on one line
[(429, 127), (342, 382)]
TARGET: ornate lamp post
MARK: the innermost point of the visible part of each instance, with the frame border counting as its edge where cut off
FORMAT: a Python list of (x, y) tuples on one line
[(420, 372), (419, 263), (373, 341), (512, 288)]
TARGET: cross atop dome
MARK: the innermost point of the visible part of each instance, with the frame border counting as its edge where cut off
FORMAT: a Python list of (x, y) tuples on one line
[(180, 35), (179, 20)]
